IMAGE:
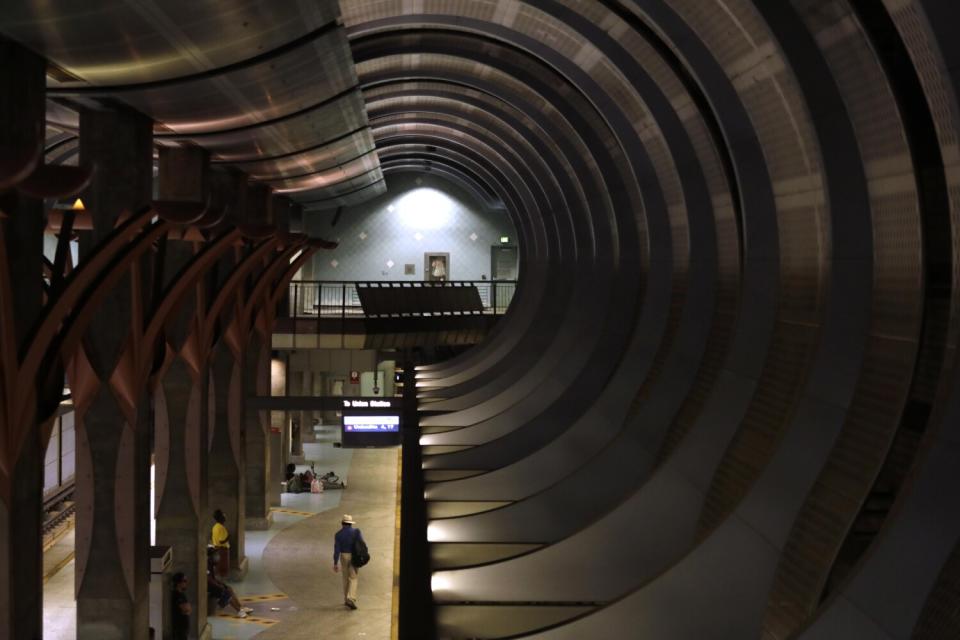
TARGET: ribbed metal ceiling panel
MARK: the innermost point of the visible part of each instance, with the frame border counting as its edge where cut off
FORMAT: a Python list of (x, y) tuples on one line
[(269, 87)]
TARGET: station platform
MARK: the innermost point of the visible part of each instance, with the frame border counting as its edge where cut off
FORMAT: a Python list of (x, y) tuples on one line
[(290, 583)]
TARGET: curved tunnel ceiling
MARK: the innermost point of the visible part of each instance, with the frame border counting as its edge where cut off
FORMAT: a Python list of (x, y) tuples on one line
[(727, 382), (731, 358)]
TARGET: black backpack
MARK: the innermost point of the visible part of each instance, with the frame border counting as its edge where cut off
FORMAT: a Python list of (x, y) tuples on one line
[(360, 555)]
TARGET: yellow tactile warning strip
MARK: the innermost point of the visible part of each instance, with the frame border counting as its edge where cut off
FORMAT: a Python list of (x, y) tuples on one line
[(265, 598), (265, 622), (292, 512), (395, 606)]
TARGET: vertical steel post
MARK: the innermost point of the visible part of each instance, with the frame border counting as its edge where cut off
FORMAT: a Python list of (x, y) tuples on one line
[(416, 618), (343, 313)]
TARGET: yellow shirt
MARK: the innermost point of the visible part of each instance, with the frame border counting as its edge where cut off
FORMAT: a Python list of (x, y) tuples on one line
[(219, 537)]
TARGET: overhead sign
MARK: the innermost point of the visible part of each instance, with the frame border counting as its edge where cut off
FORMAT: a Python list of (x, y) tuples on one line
[(323, 403), (367, 404), (371, 424), (370, 430)]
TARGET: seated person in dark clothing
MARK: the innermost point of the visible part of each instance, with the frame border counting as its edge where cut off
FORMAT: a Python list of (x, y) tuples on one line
[(294, 482), (179, 608), (223, 593), (298, 482)]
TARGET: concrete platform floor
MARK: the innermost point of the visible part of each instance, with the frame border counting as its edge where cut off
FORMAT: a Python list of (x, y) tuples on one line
[(290, 583)]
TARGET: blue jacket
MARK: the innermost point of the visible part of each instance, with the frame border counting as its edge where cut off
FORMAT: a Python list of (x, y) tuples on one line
[(343, 541)]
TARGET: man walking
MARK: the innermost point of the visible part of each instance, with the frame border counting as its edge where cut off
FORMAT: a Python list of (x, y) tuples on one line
[(343, 543)]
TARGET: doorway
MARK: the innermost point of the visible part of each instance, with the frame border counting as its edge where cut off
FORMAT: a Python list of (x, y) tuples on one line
[(503, 262)]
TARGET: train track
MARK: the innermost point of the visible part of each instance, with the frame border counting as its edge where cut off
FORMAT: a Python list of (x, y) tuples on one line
[(58, 509)]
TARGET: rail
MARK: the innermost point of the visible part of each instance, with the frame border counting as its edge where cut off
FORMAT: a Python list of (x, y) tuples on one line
[(58, 506), (342, 299)]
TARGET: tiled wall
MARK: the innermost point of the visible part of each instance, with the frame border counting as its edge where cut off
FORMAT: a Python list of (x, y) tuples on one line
[(418, 214)]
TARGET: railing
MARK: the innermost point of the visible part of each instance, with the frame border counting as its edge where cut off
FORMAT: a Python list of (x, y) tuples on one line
[(340, 299)]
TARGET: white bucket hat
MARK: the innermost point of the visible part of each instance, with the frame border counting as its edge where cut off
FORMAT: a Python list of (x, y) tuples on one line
[(346, 519)]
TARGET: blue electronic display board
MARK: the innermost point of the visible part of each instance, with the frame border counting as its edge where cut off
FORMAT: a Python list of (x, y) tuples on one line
[(370, 430), (371, 424)]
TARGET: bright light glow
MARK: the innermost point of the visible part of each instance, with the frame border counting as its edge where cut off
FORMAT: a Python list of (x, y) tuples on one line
[(391, 208), (295, 256), (436, 532), (440, 582), (426, 209), (153, 504), (504, 239), (78, 205), (427, 440)]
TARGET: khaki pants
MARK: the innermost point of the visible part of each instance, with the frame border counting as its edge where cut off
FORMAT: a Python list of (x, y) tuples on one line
[(349, 574)]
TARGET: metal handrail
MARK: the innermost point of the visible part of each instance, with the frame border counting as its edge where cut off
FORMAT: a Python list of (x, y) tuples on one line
[(340, 298)]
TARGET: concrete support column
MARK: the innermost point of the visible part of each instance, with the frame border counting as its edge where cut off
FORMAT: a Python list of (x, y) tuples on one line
[(227, 468), (283, 209), (183, 174), (182, 412), (181, 403), (113, 448), (256, 366), (227, 447), (306, 419), (285, 457), (286, 435), (22, 111), (230, 187), (21, 547), (297, 384), (295, 219), (277, 464), (280, 432), (259, 209), (279, 386), (296, 433)]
